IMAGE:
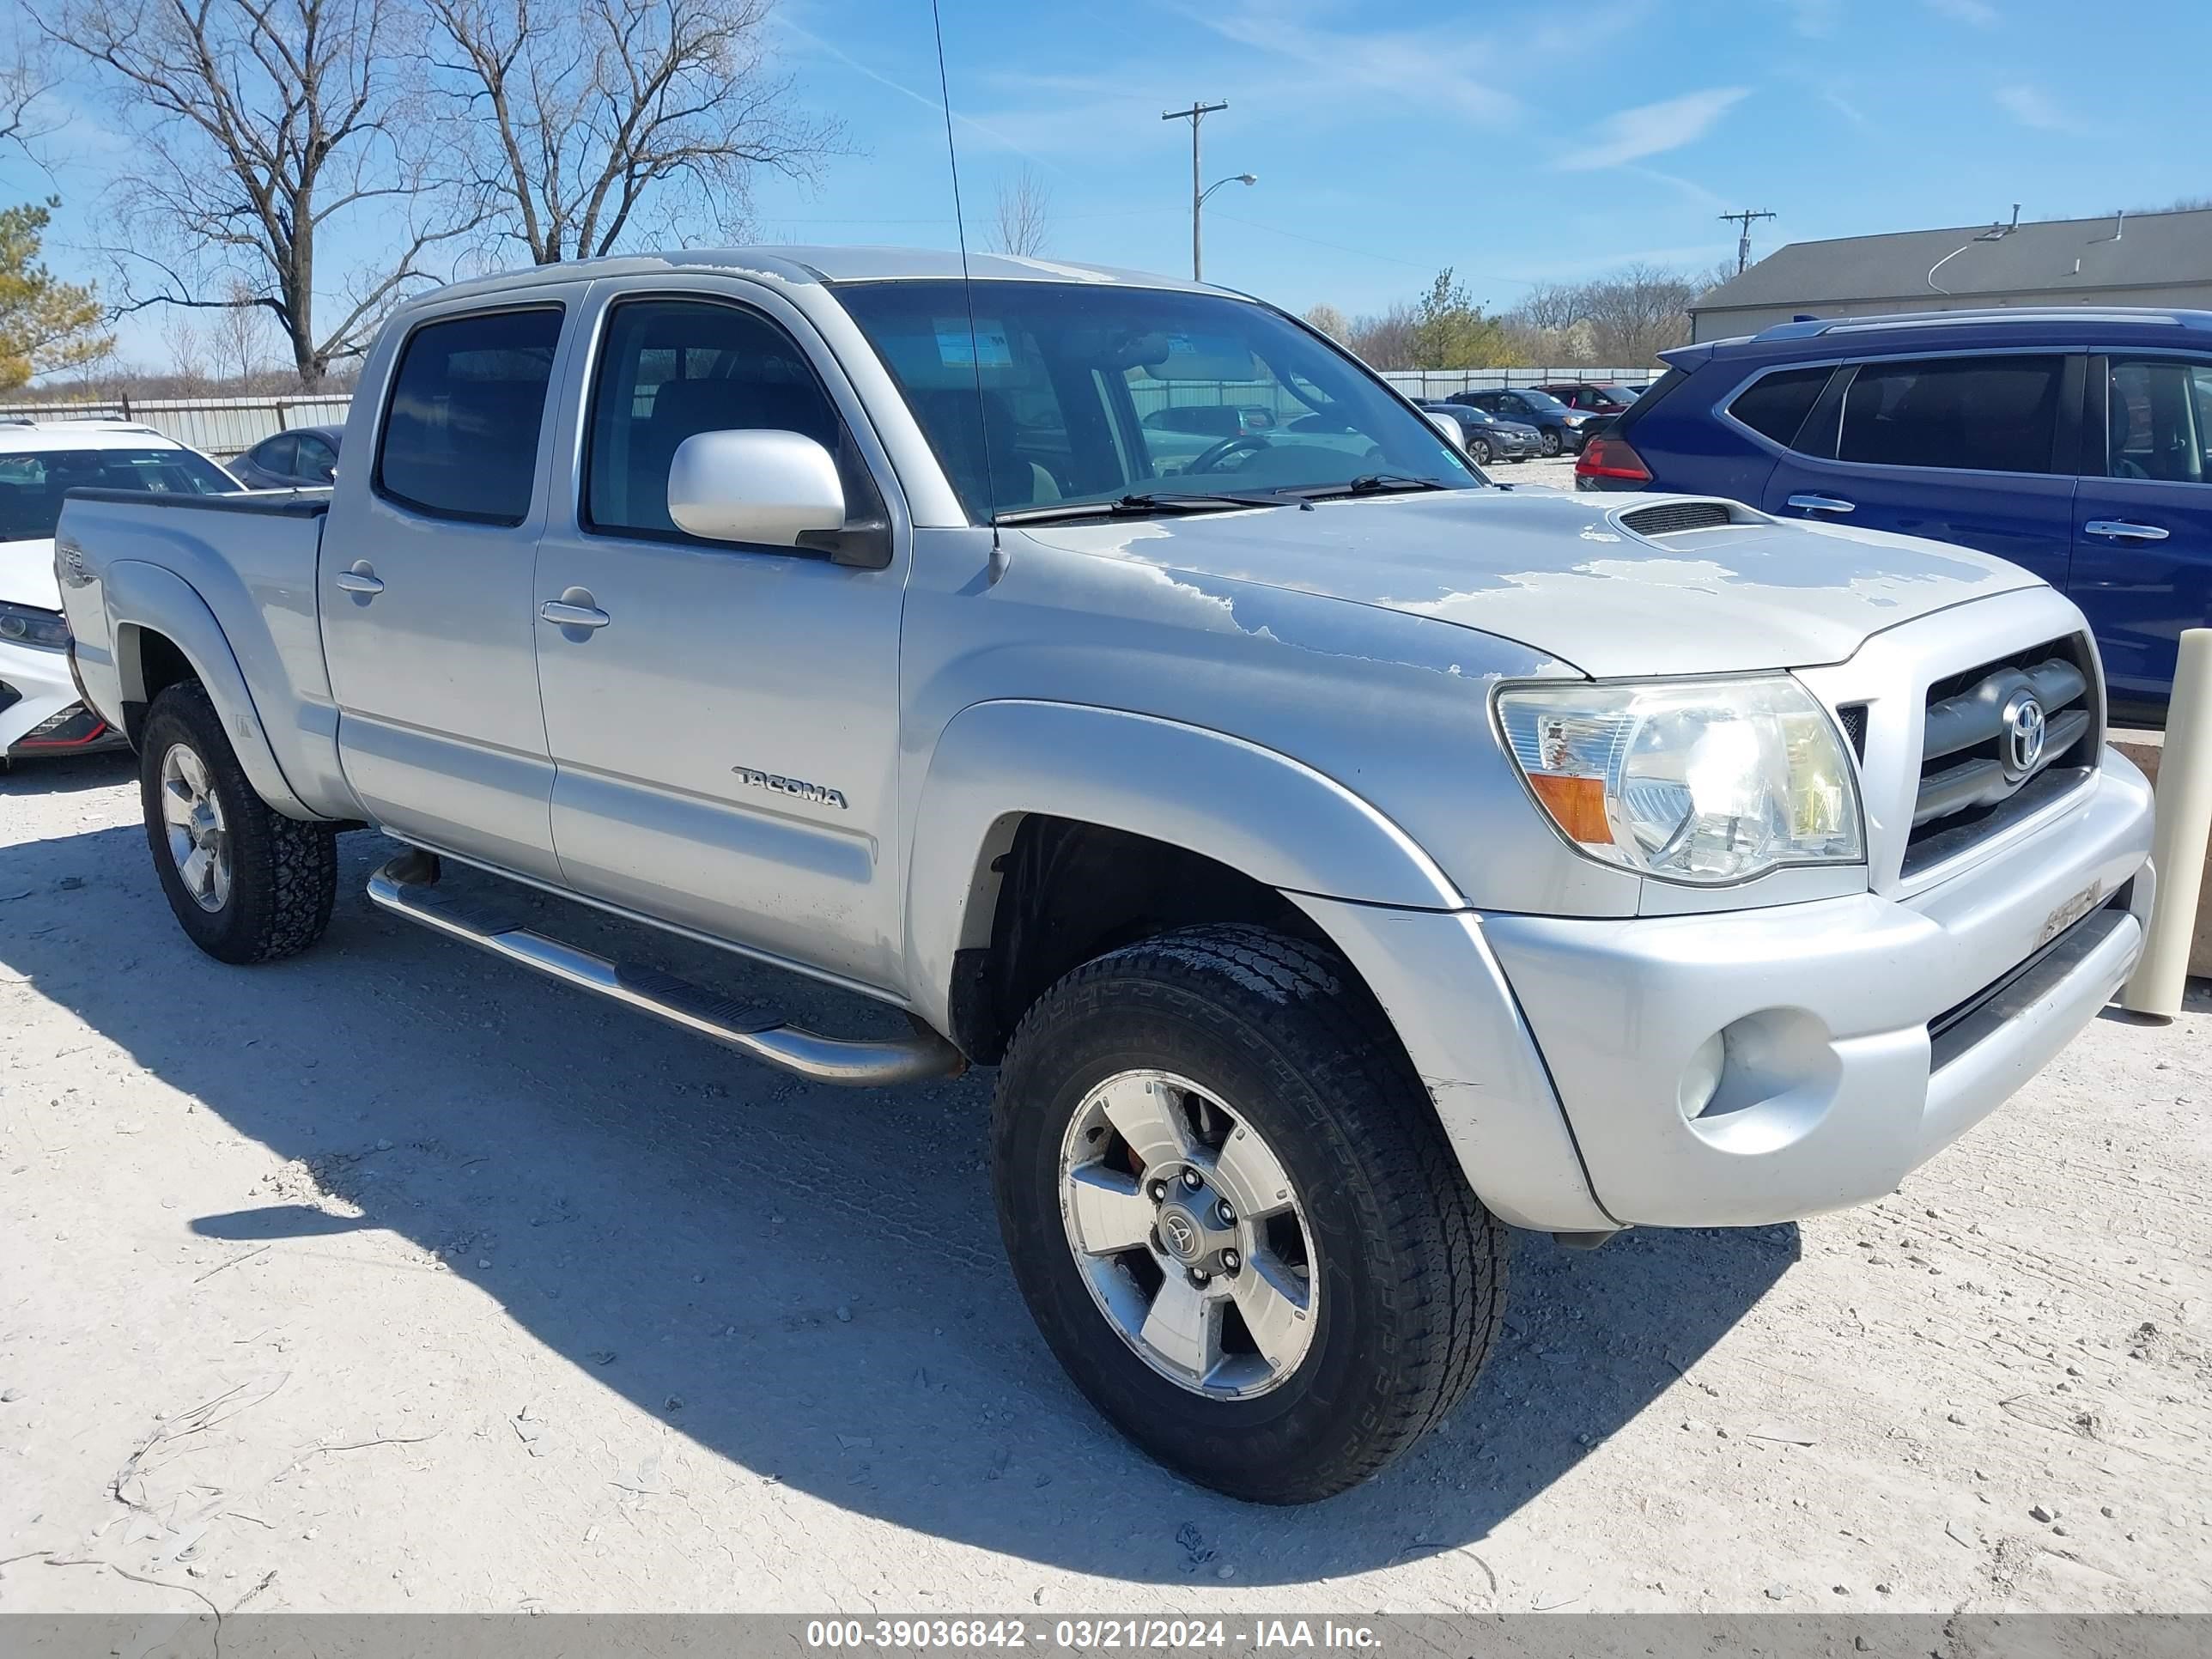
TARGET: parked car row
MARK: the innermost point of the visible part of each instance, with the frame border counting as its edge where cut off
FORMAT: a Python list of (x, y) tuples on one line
[(1560, 429), (1487, 437), (2076, 443)]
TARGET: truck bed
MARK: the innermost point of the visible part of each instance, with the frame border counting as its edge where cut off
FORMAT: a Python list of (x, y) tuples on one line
[(247, 565)]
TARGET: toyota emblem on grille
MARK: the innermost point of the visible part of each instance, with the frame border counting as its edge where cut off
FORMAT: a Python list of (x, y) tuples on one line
[(2025, 728)]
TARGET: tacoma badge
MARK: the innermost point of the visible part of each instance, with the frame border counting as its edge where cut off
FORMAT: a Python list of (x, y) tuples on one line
[(793, 787)]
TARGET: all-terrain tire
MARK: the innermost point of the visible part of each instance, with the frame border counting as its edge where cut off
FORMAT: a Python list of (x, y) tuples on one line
[(283, 873), (1408, 1270)]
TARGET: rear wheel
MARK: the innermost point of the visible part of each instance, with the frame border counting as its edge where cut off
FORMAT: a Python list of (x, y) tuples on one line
[(246, 884), (1233, 1216)]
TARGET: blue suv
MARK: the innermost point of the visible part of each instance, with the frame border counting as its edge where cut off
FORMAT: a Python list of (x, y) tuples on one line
[(2077, 443)]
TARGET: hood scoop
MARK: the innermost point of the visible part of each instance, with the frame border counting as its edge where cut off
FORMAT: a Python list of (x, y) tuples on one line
[(1671, 517)]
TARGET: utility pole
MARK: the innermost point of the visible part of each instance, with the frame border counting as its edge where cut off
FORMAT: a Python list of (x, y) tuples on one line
[(1196, 113), (1743, 242)]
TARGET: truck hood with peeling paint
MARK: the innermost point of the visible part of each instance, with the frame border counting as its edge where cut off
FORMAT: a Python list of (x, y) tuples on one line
[(1559, 574)]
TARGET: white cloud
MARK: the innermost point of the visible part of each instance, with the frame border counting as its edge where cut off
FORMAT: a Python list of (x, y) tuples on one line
[(1452, 70), (1978, 13), (2032, 108), (1653, 129)]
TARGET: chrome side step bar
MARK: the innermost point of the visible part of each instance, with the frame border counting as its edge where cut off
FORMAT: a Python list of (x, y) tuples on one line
[(406, 886)]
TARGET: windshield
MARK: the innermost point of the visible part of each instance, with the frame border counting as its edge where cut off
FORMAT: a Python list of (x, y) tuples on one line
[(30, 485), (1092, 393), (1542, 401)]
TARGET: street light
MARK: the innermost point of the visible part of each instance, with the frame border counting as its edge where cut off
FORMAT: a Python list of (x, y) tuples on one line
[(1235, 179)]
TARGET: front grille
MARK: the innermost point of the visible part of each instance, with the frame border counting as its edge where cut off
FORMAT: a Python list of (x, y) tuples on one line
[(1975, 776), (1670, 518)]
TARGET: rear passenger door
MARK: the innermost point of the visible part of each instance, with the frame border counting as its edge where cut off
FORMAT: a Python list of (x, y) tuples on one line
[(725, 735), (2142, 517), (1977, 450), (424, 586)]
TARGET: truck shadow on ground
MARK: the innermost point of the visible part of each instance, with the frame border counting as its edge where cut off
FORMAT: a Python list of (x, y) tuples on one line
[(804, 1281)]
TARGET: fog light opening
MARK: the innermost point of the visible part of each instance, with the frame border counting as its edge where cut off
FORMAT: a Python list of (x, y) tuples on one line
[(1701, 1076)]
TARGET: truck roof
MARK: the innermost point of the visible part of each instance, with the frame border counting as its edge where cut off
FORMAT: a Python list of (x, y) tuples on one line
[(812, 266)]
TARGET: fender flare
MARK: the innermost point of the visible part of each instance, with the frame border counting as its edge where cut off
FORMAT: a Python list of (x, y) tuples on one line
[(146, 598), (1276, 819)]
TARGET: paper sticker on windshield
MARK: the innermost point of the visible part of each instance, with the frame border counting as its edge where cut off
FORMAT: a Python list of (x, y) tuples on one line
[(958, 346)]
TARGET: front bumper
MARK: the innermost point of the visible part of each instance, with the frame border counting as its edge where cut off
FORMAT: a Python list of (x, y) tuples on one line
[(1831, 1089), (45, 714)]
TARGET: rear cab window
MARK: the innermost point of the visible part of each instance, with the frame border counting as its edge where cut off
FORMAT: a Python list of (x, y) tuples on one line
[(468, 401)]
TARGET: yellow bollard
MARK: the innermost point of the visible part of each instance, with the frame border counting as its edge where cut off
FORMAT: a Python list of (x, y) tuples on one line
[(2176, 847)]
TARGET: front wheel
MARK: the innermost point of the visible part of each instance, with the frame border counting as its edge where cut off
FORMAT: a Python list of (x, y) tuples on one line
[(1480, 450), (1549, 443), (246, 884), (1234, 1218)]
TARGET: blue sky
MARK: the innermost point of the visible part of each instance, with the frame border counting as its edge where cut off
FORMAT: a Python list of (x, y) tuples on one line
[(1517, 143)]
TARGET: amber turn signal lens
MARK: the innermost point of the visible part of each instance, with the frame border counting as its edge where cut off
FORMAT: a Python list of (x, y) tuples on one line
[(1577, 805)]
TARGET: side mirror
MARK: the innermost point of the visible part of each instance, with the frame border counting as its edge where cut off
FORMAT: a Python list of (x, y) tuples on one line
[(772, 488), (1450, 428)]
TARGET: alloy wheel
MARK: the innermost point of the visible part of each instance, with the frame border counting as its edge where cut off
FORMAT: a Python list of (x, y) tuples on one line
[(1188, 1234)]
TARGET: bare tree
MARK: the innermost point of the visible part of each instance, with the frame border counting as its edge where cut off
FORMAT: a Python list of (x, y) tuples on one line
[(1330, 321), (27, 75), (186, 343), (1024, 216), (239, 336), (1388, 341), (1553, 306), (578, 116), (261, 127), (1636, 314)]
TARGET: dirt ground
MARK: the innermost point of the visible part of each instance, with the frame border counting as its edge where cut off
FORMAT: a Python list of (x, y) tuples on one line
[(391, 1278)]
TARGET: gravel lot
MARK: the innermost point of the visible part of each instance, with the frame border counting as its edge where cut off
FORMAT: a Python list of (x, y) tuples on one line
[(390, 1279)]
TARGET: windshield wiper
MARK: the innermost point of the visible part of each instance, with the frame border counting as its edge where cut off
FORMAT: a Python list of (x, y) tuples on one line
[(1139, 506), (1372, 483)]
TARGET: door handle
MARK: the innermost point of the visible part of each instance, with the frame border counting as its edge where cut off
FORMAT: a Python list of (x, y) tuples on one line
[(562, 613), (2120, 530), (361, 579), (1821, 504)]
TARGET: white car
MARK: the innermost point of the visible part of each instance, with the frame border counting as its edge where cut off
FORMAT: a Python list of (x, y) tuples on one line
[(41, 710)]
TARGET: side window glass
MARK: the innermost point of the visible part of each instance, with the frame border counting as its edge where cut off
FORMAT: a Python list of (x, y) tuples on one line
[(275, 455), (2155, 410), (461, 437), (317, 460), (1993, 414), (672, 368), (1775, 405)]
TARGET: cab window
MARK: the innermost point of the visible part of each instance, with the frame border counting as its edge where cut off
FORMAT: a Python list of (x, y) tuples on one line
[(461, 433), (672, 368)]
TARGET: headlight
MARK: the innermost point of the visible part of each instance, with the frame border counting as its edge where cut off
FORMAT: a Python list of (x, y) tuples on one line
[(1692, 781), (24, 624), (1576, 419)]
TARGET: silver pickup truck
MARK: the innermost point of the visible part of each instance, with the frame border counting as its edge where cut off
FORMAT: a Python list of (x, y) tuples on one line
[(1341, 857)]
